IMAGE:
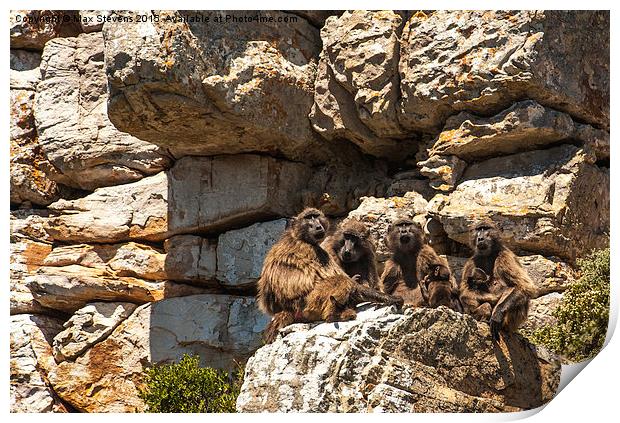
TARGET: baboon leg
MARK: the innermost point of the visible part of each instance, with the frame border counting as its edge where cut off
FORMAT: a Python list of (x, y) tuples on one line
[(365, 293), (347, 314), (279, 321), (509, 312)]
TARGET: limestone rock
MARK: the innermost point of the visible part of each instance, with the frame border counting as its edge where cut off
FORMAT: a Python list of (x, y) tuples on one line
[(29, 223), (483, 61), (546, 273), (378, 213), (240, 253), (130, 259), (536, 198), (75, 133), (93, 20), (29, 168), (206, 88), (232, 191), (357, 85), (219, 328), (337, 187), (138, 210), (541, 311), (31, 362), (423, 360), (88, 326), (26, 256), (190, 258), (443, 171), (526, 125), (315, 17), (70, 288), (31, 29)]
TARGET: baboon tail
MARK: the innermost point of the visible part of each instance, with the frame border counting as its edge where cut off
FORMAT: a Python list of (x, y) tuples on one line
[(365, 293), (280, 320)]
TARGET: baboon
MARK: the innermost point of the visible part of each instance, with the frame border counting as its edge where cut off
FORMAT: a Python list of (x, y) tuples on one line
[(439, 288), (410, 262), (292, 269), (494, 286), (352, 248), (331, 300)]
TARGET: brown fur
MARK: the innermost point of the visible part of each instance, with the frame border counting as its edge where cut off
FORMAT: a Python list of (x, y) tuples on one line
[(494, 286), (354, 251), (439, 289), (332, 300), (409, 264), (298, 273)]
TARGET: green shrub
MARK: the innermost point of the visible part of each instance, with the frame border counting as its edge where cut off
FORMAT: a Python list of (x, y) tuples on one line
[(186, 387), (583, 314)]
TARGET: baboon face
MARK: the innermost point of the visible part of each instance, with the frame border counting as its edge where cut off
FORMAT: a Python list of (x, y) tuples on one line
[(404, 235), (351, 245), (311, 226), (485, 237)]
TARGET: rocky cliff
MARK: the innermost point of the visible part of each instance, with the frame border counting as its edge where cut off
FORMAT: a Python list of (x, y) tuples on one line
[(156, 157)]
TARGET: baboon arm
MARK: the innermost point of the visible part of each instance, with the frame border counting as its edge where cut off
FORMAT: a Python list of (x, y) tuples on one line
[(483, 312), (509, 270), (389, 280), (513, 301)]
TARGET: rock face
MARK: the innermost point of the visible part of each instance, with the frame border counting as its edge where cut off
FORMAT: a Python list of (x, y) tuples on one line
[(232, 88), (357, 86), (71, 116), (525, 126), (240, 253), (424, 360), (31, 362), (219, 328), (482, 61), (29, 167), (537, 198), (157, 157)]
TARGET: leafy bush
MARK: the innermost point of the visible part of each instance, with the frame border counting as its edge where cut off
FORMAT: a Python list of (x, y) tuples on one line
[(186, 387), (583, 313)]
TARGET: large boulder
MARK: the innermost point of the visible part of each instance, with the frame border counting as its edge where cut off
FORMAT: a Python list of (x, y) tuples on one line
[(552, 202), (526, 125), (240, 253), (31, 29), (483, 61), (219, 328), (69, 288), (71, 115), (31, 362), (29, 168), (422, 360), (357, 85), (190, 258), (202, 83)]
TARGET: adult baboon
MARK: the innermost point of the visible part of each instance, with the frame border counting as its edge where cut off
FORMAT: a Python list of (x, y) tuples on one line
[(293, 268), (494, 286), (439, 288), (352, 248), (411, 261)]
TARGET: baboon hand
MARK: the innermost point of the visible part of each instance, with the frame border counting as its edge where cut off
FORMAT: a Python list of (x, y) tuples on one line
[(357, 278)]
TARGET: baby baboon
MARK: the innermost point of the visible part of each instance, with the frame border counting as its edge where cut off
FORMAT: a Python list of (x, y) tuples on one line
[(410, 262), (354, 251), (292, 268), (331, 300), (494, 285), (439, 288)]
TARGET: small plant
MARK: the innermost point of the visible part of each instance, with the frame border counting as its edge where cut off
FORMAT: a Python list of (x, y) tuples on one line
[(186, 387), (583, 313)]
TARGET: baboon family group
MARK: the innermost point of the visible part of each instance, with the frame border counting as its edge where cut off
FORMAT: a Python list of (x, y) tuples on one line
[(308, 276)]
